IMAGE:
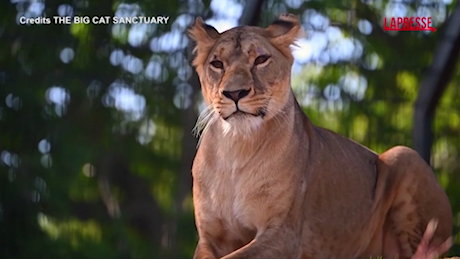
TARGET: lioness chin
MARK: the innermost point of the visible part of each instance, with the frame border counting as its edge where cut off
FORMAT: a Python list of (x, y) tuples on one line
[(267, 183)]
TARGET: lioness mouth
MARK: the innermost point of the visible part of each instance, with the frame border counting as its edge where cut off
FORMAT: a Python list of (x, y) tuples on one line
[(241, 114)]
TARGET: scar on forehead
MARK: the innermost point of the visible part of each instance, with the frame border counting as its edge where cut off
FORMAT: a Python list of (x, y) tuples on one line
[(260, 50), (256, 50)]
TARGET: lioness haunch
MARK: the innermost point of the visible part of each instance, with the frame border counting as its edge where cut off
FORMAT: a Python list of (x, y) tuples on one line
[(267, 183)]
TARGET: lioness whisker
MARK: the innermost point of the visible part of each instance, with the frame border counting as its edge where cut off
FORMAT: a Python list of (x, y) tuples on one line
[(207, 117)]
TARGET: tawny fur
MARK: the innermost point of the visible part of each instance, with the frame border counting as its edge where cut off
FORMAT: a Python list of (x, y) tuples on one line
[(267, 183)]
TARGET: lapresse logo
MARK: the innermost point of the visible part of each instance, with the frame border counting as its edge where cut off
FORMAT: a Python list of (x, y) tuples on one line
[(408, 24)]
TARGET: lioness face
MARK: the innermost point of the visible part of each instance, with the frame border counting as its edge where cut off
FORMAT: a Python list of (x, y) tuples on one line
[(245, 72)]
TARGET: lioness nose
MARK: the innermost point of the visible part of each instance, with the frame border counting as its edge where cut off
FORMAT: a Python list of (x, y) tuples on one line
[(236, 94)]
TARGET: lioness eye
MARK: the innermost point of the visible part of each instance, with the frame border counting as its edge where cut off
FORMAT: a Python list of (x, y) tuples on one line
[(217, 64), (261, 59)]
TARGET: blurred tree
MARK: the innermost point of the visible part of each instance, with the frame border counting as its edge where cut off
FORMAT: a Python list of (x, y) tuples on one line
[(435, 83)]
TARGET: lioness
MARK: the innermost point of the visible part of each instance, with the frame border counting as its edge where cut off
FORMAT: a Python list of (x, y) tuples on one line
[(267, 183)]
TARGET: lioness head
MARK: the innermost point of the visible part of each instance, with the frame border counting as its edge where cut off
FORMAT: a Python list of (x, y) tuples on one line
[(244, 72)]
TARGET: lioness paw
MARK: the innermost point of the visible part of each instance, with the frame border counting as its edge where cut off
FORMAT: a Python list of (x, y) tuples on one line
[(427, 250)]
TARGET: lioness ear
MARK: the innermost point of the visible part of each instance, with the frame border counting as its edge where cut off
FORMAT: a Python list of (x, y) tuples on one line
[(203, 34), (205, 37), (284, 31)]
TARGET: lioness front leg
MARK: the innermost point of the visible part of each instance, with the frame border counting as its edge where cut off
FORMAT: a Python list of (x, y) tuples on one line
[(204, 251), (274, 242), (413, 198)]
